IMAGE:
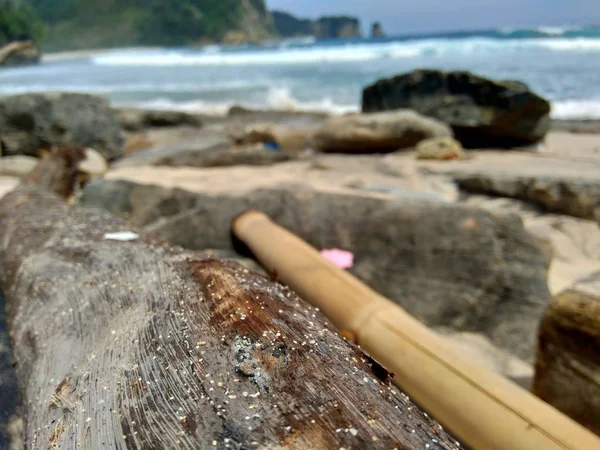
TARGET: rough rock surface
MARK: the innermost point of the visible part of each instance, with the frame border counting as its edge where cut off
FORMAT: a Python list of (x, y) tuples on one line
[(132, 119), (448, 265), (575, 242), (377, 133), (574, 196), (19, 53), (568, 358), (445, 148), (482, 112), (212, 151), (30, 122)]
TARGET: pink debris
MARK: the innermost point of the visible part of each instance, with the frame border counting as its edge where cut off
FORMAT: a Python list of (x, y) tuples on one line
[(340, 258)]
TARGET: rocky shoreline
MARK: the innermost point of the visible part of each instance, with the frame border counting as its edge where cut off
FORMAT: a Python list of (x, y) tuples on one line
[(478, 244)]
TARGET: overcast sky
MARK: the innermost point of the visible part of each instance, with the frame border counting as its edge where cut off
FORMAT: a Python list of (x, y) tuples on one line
[(413, 16)]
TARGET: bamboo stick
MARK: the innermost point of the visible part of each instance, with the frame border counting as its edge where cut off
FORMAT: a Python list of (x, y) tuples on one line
[(483, 409)]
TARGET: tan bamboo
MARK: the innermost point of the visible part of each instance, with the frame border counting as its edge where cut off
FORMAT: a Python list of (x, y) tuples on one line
[(483, 409)]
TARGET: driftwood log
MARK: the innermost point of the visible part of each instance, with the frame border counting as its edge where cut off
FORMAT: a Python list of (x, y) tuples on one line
[(140, 345)]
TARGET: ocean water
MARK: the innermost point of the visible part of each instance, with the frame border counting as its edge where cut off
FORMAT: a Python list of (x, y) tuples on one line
[(562, 64)]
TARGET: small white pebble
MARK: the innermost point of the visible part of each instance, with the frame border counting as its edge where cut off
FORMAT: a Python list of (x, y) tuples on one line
[(123, 236), (353, 431), (89, 419)]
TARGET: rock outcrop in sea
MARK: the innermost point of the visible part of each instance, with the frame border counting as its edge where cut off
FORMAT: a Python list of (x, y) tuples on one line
[(328, 27), (377, 30)]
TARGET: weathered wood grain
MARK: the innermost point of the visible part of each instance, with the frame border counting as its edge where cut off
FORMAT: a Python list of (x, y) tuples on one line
[(138, 345)]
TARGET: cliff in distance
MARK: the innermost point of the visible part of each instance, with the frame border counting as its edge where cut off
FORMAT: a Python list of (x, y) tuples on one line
[(342, 27), (83, 24)]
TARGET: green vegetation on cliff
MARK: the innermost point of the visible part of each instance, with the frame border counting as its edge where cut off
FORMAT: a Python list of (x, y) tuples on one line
[(17, 22), (78, 24)]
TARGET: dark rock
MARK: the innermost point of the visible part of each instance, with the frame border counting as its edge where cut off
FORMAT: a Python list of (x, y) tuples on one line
[(482, 112), (132, 119), (568, 355), (574, 196), (449, 265), (211, 151), (30, 122), (377, 133), (377, 30), (335, 27), (288, 25), (19, 54)]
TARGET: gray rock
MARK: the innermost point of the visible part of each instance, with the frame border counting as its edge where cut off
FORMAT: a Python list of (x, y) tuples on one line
[(482, 112), (568, 358), (449, 265), (377, 133), (579, 197), (212, 151), (30, 122), (132, 119)]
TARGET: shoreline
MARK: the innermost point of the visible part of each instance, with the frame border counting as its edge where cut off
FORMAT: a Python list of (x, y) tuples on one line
[(69, 55)]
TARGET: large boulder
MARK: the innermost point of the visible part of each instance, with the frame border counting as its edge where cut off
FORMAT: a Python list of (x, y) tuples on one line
[(449, 265), (377, 133), (482, 112), (19, 53), (30, 122), (567, 369)]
